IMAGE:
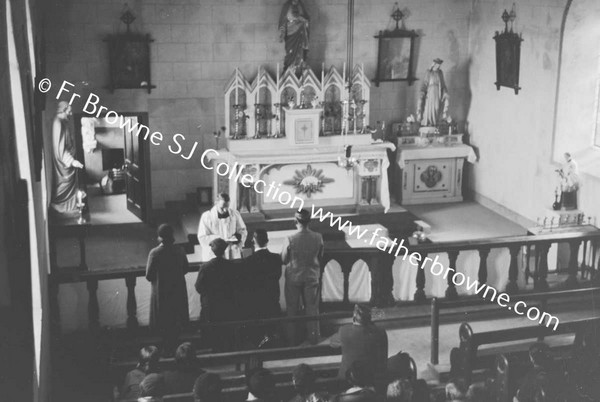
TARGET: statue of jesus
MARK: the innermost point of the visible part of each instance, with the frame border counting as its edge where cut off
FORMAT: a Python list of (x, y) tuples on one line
[(64, 190), (293, 29)]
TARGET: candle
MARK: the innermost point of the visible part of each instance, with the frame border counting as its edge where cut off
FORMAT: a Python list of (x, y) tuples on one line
[(237, 100), (79, 197), (277, 76), (322, 74), (344, 74)]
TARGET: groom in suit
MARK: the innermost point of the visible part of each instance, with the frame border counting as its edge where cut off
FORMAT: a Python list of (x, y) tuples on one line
[(261, 278), (259, 288)]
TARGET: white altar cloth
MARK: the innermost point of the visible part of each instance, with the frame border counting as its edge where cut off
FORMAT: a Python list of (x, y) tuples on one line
[(411, 152), (274, 151)]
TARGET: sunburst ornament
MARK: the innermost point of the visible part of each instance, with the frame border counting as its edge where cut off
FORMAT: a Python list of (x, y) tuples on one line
[(309, 181)]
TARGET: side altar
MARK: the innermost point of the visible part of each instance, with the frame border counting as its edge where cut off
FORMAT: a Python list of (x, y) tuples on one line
[(432, 168)]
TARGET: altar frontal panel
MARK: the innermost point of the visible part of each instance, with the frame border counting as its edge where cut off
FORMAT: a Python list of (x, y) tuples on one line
[(321, 184)]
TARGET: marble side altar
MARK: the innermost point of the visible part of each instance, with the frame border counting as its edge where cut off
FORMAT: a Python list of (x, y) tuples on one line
[(310, 172)]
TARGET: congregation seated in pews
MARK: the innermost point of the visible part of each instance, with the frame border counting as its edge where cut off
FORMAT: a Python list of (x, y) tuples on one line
[(365, 373), (188, 382)]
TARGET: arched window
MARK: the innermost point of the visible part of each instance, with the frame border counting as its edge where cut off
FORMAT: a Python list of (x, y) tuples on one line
[(577, 128)]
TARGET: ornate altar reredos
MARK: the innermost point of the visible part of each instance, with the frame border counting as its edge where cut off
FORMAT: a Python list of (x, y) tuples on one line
[(258, 109), (302, 136)]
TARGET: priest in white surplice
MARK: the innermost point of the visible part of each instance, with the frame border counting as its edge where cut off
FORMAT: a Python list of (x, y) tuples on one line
[(225, 223)]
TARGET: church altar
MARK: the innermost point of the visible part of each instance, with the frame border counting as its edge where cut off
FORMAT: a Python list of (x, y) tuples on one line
[(432, 171), (301, 140), (310, 173)]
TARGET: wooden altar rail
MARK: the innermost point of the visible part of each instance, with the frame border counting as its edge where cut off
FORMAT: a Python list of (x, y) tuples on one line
[(380, 266), (543, 297)]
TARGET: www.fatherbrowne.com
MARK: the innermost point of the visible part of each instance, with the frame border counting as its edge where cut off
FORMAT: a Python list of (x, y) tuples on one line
[(393, 247)]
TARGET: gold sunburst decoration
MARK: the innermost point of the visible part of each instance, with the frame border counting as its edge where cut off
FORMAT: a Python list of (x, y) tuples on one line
[(309, 181)]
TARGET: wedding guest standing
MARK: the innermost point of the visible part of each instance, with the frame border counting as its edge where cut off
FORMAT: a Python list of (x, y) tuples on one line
[(166, 269), (216, 286), (302, 252)]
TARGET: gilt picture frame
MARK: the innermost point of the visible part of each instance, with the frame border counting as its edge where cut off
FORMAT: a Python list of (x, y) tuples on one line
[(129, 61), (395, 59)]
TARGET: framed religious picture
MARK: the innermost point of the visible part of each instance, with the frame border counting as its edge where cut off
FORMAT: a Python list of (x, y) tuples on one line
[(395, 59), (129, 61), (508, 55)]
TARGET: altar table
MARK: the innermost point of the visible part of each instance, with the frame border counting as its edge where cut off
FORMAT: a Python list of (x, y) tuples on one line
[(311, 173)]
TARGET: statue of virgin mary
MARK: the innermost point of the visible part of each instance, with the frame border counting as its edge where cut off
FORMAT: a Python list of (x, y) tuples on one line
[(293, 29)]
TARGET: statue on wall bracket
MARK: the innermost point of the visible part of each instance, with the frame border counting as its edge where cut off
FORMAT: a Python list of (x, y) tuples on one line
[(294, 31)]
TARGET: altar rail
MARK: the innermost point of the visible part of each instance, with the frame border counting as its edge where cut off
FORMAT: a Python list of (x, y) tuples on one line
[(380, 267)]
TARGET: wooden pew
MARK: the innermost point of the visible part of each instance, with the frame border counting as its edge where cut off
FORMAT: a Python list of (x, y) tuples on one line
[(249, 358), (285, 391), (467, 357)]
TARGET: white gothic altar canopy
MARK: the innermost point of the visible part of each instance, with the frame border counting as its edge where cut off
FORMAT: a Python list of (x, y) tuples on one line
[(308, 136)]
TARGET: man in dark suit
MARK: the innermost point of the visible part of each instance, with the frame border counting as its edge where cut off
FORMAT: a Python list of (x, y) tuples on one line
[(259, 287), (261, 278), (215, 283), (363, 341)]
